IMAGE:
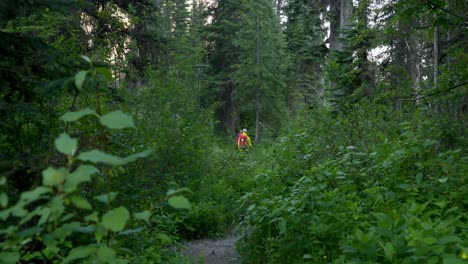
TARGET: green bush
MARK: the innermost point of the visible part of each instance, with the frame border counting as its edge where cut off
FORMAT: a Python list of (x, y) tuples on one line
[(66, 218), (400, 199)]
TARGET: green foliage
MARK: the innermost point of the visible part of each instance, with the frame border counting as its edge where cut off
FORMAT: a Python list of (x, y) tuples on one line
[(58, 221), (260, 73), (304, 37), (365, 184), (47, 219), (380, 201), (216, 199)]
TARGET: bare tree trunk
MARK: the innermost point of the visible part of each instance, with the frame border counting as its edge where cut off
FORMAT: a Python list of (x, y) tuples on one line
[(399, 52), (414, 61), (257, 118), (365, 74), (448, 6), (346, 12), (334, 24), (257, 93), (279, 4), (436, 55), (435, 107)]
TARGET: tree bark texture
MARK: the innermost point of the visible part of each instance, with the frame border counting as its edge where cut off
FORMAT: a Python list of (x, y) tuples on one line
[(257, 93), (334, 24), (346, 13)]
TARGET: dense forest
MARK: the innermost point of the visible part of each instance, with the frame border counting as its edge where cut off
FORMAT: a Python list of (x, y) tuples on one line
[(119, 118)]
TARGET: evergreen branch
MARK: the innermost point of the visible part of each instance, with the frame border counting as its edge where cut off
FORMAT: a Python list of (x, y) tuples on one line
[(435, 5), (431, 94)]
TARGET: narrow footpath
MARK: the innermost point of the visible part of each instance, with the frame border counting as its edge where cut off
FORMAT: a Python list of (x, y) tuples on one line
[(208, 251)]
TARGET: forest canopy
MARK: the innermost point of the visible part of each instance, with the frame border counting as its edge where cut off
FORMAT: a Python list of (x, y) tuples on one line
[(118, 118)]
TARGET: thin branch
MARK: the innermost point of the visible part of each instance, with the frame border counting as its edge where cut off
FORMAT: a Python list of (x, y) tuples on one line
[(434, 5), (431, 94)]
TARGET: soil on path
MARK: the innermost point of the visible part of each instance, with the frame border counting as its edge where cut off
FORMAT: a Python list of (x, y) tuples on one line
[(207, 251)]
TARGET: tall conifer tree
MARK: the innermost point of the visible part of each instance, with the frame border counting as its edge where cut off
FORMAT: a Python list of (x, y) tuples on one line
[(222, 56), (305, 37), (260, 73)]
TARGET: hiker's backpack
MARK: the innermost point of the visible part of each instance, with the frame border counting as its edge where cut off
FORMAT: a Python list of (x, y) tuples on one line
[(243, 141)]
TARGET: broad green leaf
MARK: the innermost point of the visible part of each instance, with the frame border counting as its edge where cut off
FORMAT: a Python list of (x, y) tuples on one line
[(165, 239), (3, 181), (105, 73), (429, 240), (453, 259), (92, 217), (33, 195), (53, 177), (36, 212), (80, 202), (79, 253), (106, 198), (100, 233), (9, 257), (45, 213), (66, 145), (131, 231), (77, 227), (61, 232), (117, 120), (51, 250), (389, 251), (176, 192), (81, 174), (4, 214), (449, 239), (74, 116), (86, 58), (116, 219), (29, 231), (79, 79), (134, 157), (3, 200), (57, 206), (179, 202), (145, 215), (106, 254), (96, 156), (443, 180), (18, 211)]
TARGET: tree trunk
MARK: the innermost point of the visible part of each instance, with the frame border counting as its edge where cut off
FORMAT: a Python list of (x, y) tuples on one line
[(365, 74), (436, 55), (399, 52), (279, 4), (257, 92), (414, 60), (334, 24), (346, 13), (257, 118)]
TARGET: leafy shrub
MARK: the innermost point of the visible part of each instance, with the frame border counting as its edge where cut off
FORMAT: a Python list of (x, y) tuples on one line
[(397, 200), (216, 198), (64, 220)]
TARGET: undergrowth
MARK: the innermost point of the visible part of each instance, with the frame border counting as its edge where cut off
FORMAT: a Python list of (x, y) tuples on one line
[(358, 188)]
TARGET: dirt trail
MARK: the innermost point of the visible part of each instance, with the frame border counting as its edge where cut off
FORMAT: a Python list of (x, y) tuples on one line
[(207, 251)]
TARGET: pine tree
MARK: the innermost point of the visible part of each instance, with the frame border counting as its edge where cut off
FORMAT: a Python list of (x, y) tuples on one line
[(340, 73), (222, 56), (305, 37), (424, 41), (260, 73)]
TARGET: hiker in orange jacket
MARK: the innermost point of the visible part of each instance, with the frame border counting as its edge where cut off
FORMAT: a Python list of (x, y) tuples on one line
[(243, 141)]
